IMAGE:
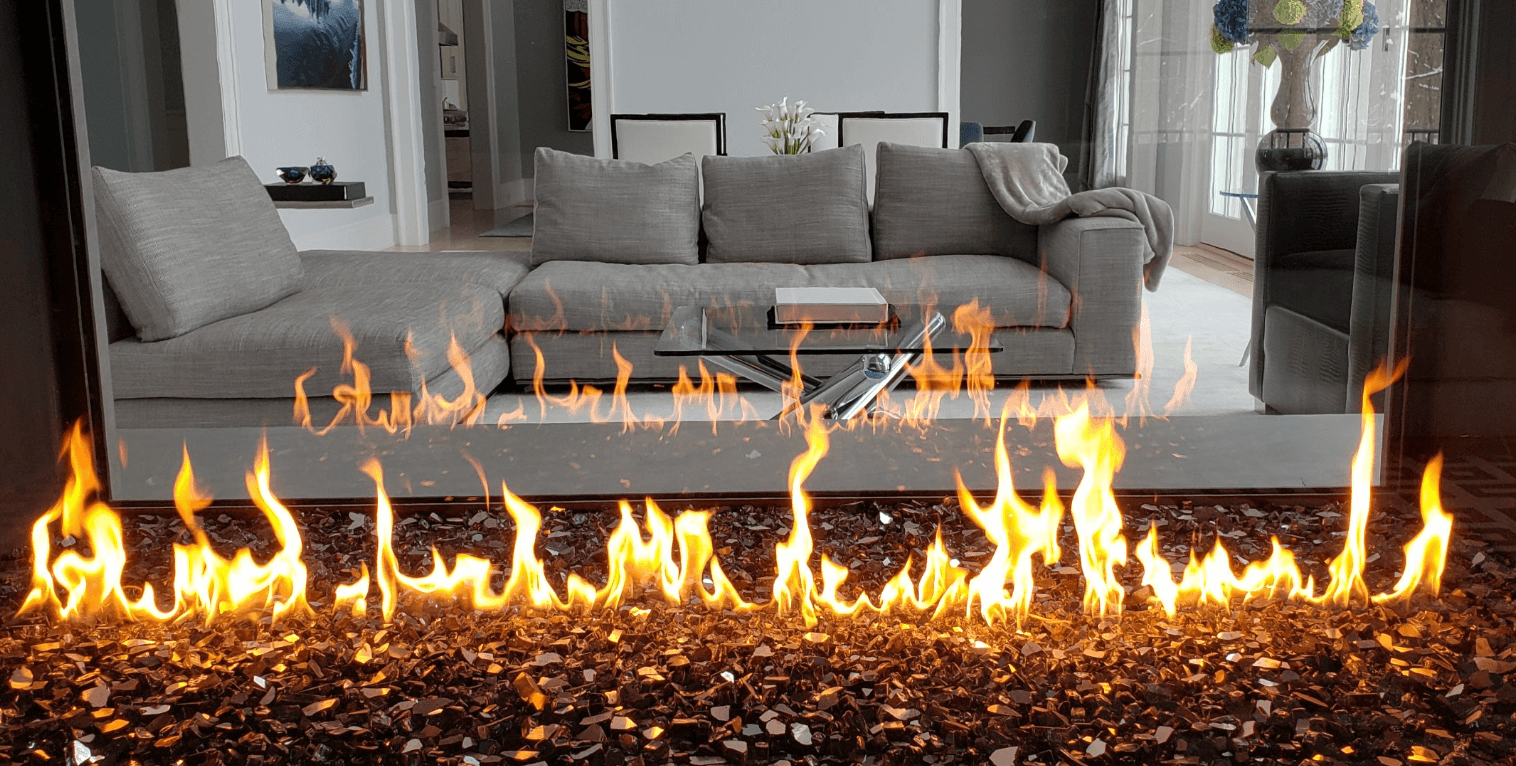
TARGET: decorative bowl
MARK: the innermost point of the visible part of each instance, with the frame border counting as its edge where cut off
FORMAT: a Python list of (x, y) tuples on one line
[(322, 172), (292, 175)]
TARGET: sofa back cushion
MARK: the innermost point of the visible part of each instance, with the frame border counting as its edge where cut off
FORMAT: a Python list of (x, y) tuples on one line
[(184, 248), (615, 211), (932, 201), (807, 208)]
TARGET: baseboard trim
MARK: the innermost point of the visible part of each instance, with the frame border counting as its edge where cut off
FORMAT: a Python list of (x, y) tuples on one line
[(437, 214)]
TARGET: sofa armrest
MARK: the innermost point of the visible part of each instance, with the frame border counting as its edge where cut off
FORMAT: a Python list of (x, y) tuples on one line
[(1373, 285), (1100, 261)]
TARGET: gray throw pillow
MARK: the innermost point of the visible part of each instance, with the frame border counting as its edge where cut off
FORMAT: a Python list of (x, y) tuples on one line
[(807, 208), (615, 211), (184, 248), (930, 201)]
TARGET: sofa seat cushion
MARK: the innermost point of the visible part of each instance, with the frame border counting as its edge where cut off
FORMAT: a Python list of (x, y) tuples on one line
[(615, 211), (806, 208), (490, 364), (498, 271), (1317, 284), (184, 248), (578, 297), (931, 201), (259, 355)]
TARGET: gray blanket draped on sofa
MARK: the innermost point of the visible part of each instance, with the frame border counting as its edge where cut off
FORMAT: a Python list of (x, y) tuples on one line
[(1027, 180)]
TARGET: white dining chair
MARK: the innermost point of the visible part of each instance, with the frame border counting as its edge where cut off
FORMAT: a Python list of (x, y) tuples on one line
[(654, 138), (869, 128)]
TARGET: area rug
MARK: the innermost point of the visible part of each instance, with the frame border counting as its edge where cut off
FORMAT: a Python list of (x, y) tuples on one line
[(521, 227)]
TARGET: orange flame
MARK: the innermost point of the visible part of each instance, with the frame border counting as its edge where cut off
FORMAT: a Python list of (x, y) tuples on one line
[(1186, 384), (674, 558), (357, 397), (205, 583), (1019, 533), (794, 584), (1097, 519)]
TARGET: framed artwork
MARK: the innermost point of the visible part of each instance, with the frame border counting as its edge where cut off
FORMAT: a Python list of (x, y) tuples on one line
[(576, 41), (315, 44)]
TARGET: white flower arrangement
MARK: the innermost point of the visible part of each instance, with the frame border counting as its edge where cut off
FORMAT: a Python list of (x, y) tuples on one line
[(789, 127)]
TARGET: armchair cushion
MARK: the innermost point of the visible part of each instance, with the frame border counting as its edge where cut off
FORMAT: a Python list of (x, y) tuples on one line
[(184, 248), (1316, 284)]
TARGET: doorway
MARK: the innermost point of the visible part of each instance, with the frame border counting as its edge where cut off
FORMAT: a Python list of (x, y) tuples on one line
[(129, 65)]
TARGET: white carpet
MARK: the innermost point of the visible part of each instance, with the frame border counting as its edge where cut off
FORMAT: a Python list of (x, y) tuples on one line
[(1215, 320)]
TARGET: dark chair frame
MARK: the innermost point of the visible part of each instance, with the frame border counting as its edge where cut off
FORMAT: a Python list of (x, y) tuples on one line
[(843, 117), (717, 117), (1021, 133)]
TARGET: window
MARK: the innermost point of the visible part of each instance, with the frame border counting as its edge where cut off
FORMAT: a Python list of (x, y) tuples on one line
[(1425, 48)]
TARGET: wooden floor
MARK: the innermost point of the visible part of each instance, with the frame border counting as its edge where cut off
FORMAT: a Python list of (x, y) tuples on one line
[(1219, 267), (466, 226)]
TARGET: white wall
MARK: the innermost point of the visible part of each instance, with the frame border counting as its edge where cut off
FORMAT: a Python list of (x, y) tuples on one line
[(840, 55), (293, 127)]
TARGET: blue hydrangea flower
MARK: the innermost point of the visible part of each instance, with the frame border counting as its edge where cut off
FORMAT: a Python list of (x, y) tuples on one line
[(1232, 20), (1365, 31)]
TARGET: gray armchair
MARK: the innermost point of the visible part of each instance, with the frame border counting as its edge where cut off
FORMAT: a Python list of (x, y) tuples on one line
[(1322, 286)]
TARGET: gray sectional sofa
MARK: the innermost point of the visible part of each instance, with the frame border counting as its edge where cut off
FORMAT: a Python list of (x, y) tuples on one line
[(213, 314)]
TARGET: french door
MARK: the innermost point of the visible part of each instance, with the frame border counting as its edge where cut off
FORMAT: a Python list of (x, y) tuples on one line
[(1360, 96), (1241, 92)]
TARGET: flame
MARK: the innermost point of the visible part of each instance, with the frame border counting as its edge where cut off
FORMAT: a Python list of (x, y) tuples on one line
[(674, 559), (794, 582), (1186, 384), (1138, 399), (1097, 519), (979, 371), (205, 583), (357, 398), (1212, 579), (1019, 533), (1426, 554)]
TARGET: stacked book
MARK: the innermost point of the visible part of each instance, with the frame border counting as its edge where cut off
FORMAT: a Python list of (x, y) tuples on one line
[(830, 305)]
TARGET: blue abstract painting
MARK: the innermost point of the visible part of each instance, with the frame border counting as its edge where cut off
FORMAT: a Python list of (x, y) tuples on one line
[(315, 44)]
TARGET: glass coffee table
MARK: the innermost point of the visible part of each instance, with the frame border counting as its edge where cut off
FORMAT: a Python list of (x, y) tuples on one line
[(747, 342)]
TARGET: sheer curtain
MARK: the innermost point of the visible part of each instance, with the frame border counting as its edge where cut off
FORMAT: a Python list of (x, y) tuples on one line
[(1175, 119)]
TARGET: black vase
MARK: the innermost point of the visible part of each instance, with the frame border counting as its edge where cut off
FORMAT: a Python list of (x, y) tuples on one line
[(322, 172), (1290, 149)]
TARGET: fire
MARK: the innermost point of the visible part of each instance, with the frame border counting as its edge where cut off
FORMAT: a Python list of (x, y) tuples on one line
[(794, 583), (1212, 579), (673, 559), (357, 397), (1097, 519), (205, 583), (1019, 533)]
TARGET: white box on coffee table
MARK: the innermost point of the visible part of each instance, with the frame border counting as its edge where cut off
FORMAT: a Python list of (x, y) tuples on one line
[(830, 305)]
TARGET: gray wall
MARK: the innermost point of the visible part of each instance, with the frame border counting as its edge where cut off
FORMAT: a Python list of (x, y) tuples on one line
[(1029, 59), (541, 83)]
